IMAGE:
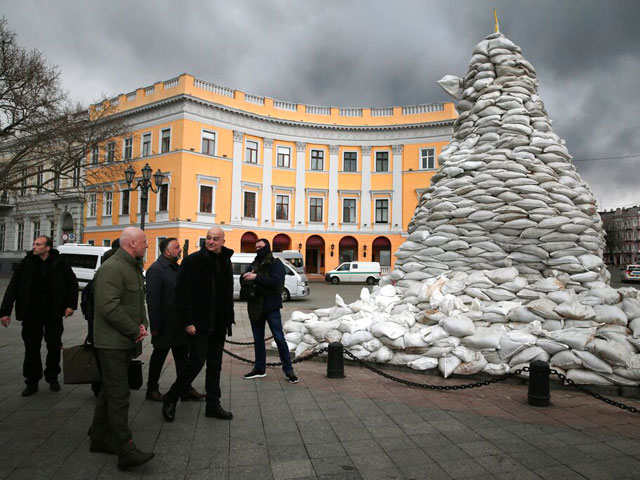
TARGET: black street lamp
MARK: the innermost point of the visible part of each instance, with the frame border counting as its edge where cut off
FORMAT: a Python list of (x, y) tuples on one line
[(144, 184)]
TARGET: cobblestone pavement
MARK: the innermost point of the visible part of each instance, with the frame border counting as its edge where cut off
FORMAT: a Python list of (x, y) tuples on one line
[(362, 426)]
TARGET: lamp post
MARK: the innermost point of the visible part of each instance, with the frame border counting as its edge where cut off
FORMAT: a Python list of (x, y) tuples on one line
[(144, 184)]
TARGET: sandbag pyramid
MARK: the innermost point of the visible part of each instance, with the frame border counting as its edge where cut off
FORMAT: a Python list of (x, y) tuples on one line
[(503, 263)]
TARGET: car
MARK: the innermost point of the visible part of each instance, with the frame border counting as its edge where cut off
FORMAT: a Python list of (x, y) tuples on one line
[(368, 272), (631, 273), (84, 260)]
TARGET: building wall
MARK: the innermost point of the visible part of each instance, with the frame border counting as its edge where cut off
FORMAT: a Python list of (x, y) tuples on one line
[(188, 107), (623, 235)]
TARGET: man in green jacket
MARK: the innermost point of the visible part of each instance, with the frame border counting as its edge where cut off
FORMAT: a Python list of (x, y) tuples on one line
[(120, 325)]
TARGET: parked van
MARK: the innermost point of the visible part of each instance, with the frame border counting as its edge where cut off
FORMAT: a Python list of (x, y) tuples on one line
[(368, 272), (294, 257), (84, 260), (296, 285)]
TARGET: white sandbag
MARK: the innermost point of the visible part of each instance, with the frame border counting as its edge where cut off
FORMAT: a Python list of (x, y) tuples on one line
[(609, 296), (575, 311), (352, 325), (549, 284), (396, 343), (592, 362), (423, 363), (610, 314), (528, 355), (576, 338), (631, 307), (388, 329), (634, 326), (405, 319), (361, 336), (382, 355), (298, 316), (402, 358), (291, 326), (415, 339), (319, 328), (551, 346), (496, 369), (388, 291), (337, 312), (294, 337), (502, 275), (566, 360), (302, 349), (458, 326), (359, 351), (544, 308), (466, 354), (587, 377), (509, 347), (471, 368), (372, 345), (320, 312), (609, 351), (482, 341), (523, 314), (562, 296), (448, 364), (333, 336)]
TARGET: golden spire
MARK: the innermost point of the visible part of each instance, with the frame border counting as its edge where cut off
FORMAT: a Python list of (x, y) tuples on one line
[(495, 15)]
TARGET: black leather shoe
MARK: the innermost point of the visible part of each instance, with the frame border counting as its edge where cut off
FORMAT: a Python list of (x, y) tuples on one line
[(217, 412), (154, 395), (101, 447), (169, 411), (192, 395), (54, 386), (134, 458), (29, 390)]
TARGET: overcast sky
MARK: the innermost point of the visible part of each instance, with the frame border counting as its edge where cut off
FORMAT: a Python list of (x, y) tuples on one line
[(362, 53)]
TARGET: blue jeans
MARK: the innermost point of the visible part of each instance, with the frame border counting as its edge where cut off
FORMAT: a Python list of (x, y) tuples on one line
[(275, 324)]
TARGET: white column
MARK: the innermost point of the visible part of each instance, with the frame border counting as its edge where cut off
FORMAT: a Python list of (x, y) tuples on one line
[(396, 200), (334, 207), (267, 181), (236, 179), (301, 148), (365, 197)]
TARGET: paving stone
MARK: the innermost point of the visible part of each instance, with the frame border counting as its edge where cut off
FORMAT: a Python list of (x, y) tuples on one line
[(406, 456), (333, 466), (396, 443), (318, 436), (462, 468), (358, 447), (371, 461), (428, 471), (480, 448), (500, 463), (279, 453), (291, 469), (325, 450)]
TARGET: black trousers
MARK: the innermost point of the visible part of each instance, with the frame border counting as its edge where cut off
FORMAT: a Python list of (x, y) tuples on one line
[(111, 415), (203, 347), (156, 362), (34, 329)]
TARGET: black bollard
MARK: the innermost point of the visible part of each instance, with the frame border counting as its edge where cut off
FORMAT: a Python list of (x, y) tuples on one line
[(335, 362), (539, 383)]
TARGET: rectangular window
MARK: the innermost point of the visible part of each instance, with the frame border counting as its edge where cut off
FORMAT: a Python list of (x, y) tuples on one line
[(284, 157), (251, 152), (125, 196), (317, 160), (36, 229), (165, 140), (3, 230), (315, 209), (250, 204), (91, 242), (108, 203), (282, 207), (382, 211), (56, 180), (127, 154), (106, 242), (349, 210), (92, 205), (111, 152), (23, 183), (95, 155), (382, 161), (206, 199), (76, 174), (20, 236), (52, 230), (146, 145), (208, 142), (40, 179), (427, 158), (350, 162), (163, 198)]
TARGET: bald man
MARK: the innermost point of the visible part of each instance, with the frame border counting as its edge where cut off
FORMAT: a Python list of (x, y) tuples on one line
[(204, 300), (120, 324)]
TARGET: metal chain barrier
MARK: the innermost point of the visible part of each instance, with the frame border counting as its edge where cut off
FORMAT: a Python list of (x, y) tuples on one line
[(315, 353), (571, 383), (248, 343), (436, 387)]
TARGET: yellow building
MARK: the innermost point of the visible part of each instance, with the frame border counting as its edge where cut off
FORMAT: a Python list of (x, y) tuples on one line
[(333, 183)]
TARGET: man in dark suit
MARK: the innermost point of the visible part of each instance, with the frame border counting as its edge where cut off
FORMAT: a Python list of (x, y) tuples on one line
[(44, 289), (204, 298)]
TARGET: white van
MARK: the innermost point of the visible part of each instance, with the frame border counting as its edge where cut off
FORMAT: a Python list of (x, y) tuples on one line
[(294, 257), (296, 285), (84, 260), (368, 272)]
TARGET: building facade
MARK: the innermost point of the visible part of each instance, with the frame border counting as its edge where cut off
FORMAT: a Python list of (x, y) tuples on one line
[(623, 235), (334, 183)]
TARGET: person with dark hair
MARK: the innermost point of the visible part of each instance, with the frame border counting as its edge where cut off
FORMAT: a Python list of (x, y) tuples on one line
[(167, 333), (44, 290), (267, 274), (204, 298)]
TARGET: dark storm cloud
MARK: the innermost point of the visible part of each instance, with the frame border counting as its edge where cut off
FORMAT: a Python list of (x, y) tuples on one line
[(362, 53)]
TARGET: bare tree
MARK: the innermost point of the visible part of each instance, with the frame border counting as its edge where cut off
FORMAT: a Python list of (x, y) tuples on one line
[(46, 140)]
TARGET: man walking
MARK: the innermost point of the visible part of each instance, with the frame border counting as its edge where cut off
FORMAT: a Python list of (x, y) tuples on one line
[(204, 297), (120, 324), (167, 333), (44, 289), (267, 274)]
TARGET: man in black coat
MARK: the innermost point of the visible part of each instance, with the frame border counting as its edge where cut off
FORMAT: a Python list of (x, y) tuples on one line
[(167, 333), (267, 274), (44, 289), (204, 299)]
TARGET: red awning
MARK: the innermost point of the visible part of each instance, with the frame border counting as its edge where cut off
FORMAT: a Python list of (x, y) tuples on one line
[(381, 242), (346, 242), (315, 241)]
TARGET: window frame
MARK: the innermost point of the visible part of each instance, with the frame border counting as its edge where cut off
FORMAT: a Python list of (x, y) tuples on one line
[(428, 157), (283, 153), (110, 152), (200, 196), (92, 205), (144, 143), (107, 204), (383, 211), (387, 160), (312, 207), (162, 139), (288, 205), (20, 235), (127, 148), (344, 160), (204, 137), (125, 193), (249, 156), (355, 210), (161, 188), (246, 193), (312, 158), (95, 155)]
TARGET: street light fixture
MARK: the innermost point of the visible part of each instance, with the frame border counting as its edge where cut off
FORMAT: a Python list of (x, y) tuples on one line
[(144, 184)]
